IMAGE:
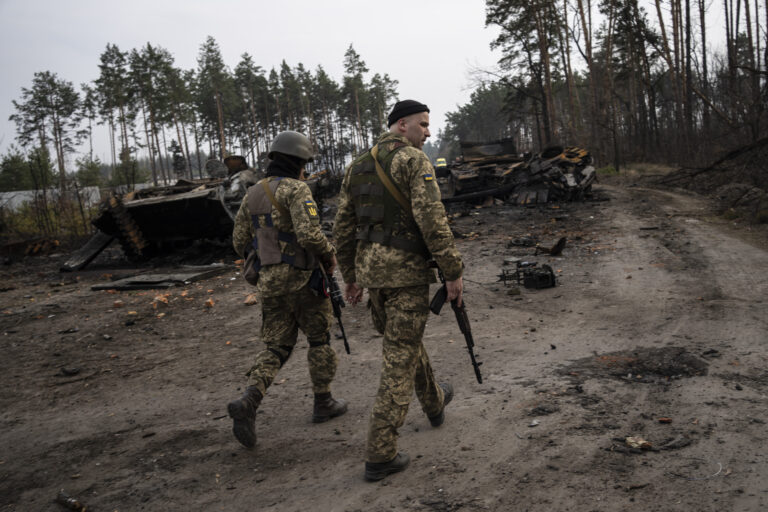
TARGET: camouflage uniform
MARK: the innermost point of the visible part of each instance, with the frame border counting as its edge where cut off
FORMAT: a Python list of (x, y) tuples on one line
[(287, 302), (398, 285)]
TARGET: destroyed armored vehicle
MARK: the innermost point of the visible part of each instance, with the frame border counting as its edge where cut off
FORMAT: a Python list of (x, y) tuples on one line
[(495, 169), (156, 220), (152, 220)]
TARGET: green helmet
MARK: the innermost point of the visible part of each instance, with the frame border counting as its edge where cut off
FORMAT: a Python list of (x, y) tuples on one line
[(291, 143)]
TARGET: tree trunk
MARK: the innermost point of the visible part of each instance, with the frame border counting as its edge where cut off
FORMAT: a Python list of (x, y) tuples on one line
[(197, 146), (688, 81), (186, 147), (256, 134), (149, 146), (112, 141), (187, 170), (165, 156), (586, 27), (159, 149), (705, 116), (220, 113)]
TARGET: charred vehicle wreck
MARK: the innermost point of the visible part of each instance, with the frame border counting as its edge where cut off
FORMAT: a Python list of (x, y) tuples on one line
[(494, 169), (156, 220)]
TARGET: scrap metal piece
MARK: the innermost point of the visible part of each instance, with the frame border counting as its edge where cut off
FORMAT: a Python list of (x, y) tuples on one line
[(188, 274), (555, 250), (86, 254)]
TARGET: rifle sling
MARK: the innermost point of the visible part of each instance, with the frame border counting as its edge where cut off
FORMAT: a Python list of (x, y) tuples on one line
[(391, 187), (271, 196)]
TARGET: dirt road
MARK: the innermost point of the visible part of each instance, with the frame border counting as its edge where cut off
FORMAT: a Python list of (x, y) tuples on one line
[(656, 331)]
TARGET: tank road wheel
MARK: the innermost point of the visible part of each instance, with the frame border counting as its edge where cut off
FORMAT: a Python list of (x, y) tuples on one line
[(130, 237)]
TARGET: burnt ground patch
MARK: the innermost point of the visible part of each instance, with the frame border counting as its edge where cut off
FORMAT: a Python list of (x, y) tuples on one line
[(647, 365)]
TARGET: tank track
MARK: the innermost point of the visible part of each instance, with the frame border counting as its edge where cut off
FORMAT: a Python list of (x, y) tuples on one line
[(129, 235)]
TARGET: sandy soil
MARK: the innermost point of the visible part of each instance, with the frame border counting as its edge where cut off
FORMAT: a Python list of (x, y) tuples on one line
[(656, 330)]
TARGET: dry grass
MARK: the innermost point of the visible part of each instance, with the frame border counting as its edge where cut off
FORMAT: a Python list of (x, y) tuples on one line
[(635, 169)]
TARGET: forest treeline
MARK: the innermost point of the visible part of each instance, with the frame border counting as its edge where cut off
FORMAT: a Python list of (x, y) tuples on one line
[(180, 117), (628, 83)]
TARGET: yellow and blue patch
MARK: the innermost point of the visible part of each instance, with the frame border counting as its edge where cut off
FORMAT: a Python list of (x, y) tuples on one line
[(311, 208), (428, 177)]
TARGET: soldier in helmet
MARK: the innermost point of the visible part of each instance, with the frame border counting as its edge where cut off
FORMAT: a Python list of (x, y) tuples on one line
[(390, 221), (278, 219)]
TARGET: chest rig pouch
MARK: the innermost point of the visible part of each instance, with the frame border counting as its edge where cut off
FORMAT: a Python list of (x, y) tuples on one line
[(267, 249), (383, 214)]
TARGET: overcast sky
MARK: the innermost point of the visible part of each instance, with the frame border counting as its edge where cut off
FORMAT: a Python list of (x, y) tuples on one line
[(428, 46)]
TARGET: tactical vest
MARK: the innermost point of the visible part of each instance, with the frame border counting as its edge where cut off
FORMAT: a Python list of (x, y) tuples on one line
[(266, 243), (380, 217)]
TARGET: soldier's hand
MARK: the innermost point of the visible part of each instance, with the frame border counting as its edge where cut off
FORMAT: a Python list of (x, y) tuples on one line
[(353, 292), (330, 265), (455, 290)]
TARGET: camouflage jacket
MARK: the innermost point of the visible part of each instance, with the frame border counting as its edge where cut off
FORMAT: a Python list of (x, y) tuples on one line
[(304, 221), (372, 265)]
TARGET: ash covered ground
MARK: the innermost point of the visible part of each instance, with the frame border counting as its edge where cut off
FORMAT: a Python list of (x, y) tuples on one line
[(638, 383)]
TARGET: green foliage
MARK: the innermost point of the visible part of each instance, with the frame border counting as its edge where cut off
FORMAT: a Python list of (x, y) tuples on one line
[(20, 223), (14, 172), (608, 170), (140, 96), (50, 107), (62, 219), (41, 168), (32, 171), (128, 173), (179, 164), (88, 172)]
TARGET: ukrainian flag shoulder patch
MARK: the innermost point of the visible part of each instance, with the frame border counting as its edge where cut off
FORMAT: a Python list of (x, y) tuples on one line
[(311, 208), (428, 177)]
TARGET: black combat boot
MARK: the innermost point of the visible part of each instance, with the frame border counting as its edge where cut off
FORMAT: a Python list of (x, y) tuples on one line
[(327, 407), (377, 470), (243, 412), (438, 419)]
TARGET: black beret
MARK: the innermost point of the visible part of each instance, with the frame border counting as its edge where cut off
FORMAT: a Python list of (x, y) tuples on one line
[(406, 108)]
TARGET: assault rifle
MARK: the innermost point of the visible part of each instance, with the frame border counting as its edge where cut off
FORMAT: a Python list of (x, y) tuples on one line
[(337, 301), (461, 318)]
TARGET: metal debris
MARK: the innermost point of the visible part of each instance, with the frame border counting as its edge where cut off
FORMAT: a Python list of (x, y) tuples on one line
[(495, 169)]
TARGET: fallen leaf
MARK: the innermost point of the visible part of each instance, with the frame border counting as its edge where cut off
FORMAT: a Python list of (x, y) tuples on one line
[(209, 303), (228, 343), (251, 299), (160, 315), (133, 313), (118, 304), (184, 293), (209, 291)]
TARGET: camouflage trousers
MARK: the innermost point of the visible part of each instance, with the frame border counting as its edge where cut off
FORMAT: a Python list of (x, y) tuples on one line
[(400, 314), (281, 318)]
